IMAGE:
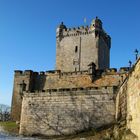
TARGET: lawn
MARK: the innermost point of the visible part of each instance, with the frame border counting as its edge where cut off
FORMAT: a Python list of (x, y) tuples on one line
[(10, 127)]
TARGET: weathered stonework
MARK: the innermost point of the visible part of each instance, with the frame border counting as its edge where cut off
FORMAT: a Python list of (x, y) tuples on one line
[(27, 77), (121, 102), (133, 100), (128, 97), (82, 93), (77, 47), (70, 93), (53, 80), (66, 112)]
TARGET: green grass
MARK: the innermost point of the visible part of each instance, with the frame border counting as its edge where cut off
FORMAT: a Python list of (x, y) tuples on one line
[(10, 127)]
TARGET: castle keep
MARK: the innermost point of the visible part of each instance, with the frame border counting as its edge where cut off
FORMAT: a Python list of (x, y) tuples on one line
[(78, 47), (80, 94)]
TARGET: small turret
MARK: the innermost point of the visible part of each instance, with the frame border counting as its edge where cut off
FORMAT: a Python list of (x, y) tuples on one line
[(96, 23), (59, 30), (62, 26)]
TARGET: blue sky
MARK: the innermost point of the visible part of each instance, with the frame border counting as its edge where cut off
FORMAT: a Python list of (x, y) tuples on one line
[(27, 32)]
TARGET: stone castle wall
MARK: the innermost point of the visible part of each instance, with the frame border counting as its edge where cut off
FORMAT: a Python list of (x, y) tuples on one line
[(133, 100), (103, 53), (66, 112), (121, 103), (72, 98), (128, 97), (17, 93), (55, 80), (68, 59), (77, 47)]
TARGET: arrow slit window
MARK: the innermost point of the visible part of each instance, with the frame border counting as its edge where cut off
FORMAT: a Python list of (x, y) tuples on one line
[(76, 49)]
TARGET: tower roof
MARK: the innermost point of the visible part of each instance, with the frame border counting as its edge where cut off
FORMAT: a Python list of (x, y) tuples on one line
[(62, 26), (97, 23)]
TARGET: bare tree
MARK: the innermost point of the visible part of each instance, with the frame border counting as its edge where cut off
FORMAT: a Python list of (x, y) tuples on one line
[(4, 113)]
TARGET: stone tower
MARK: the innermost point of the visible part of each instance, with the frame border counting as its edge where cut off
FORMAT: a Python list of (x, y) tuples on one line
[(77, 47), (22, 82)]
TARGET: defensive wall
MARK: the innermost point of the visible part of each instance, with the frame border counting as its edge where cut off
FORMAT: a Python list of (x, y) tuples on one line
[(67, 111), (55, 80), (127, 100), (64, 91), (56, 111)]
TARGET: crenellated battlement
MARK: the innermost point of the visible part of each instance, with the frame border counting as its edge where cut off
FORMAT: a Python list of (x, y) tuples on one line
[(30, 72), (82, 30), (110, 70), (79, 28), (60, 73), (114, 70), (78, 31), (124, 69), (20, 72), (50, 72)]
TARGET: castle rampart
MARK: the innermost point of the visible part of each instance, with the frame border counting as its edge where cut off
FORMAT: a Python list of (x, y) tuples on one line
[(127, 100), (66, 112), (55, 80)]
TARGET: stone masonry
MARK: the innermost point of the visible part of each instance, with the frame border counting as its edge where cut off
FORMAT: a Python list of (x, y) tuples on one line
[(128, 100), (77, 47), (82, 93), (66, 112), (54, 80)]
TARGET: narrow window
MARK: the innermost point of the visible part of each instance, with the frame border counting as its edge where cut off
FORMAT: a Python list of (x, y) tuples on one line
[(76, 49)]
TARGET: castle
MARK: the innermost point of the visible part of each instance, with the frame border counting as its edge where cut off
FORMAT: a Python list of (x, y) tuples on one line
[(78, 47), (81, 94)]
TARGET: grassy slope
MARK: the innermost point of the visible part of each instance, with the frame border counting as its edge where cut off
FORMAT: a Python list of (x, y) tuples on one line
[(103, 134), (10, 127)]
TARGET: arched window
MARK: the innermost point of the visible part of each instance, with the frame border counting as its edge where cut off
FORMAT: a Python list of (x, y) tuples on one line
[(76, 49)]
